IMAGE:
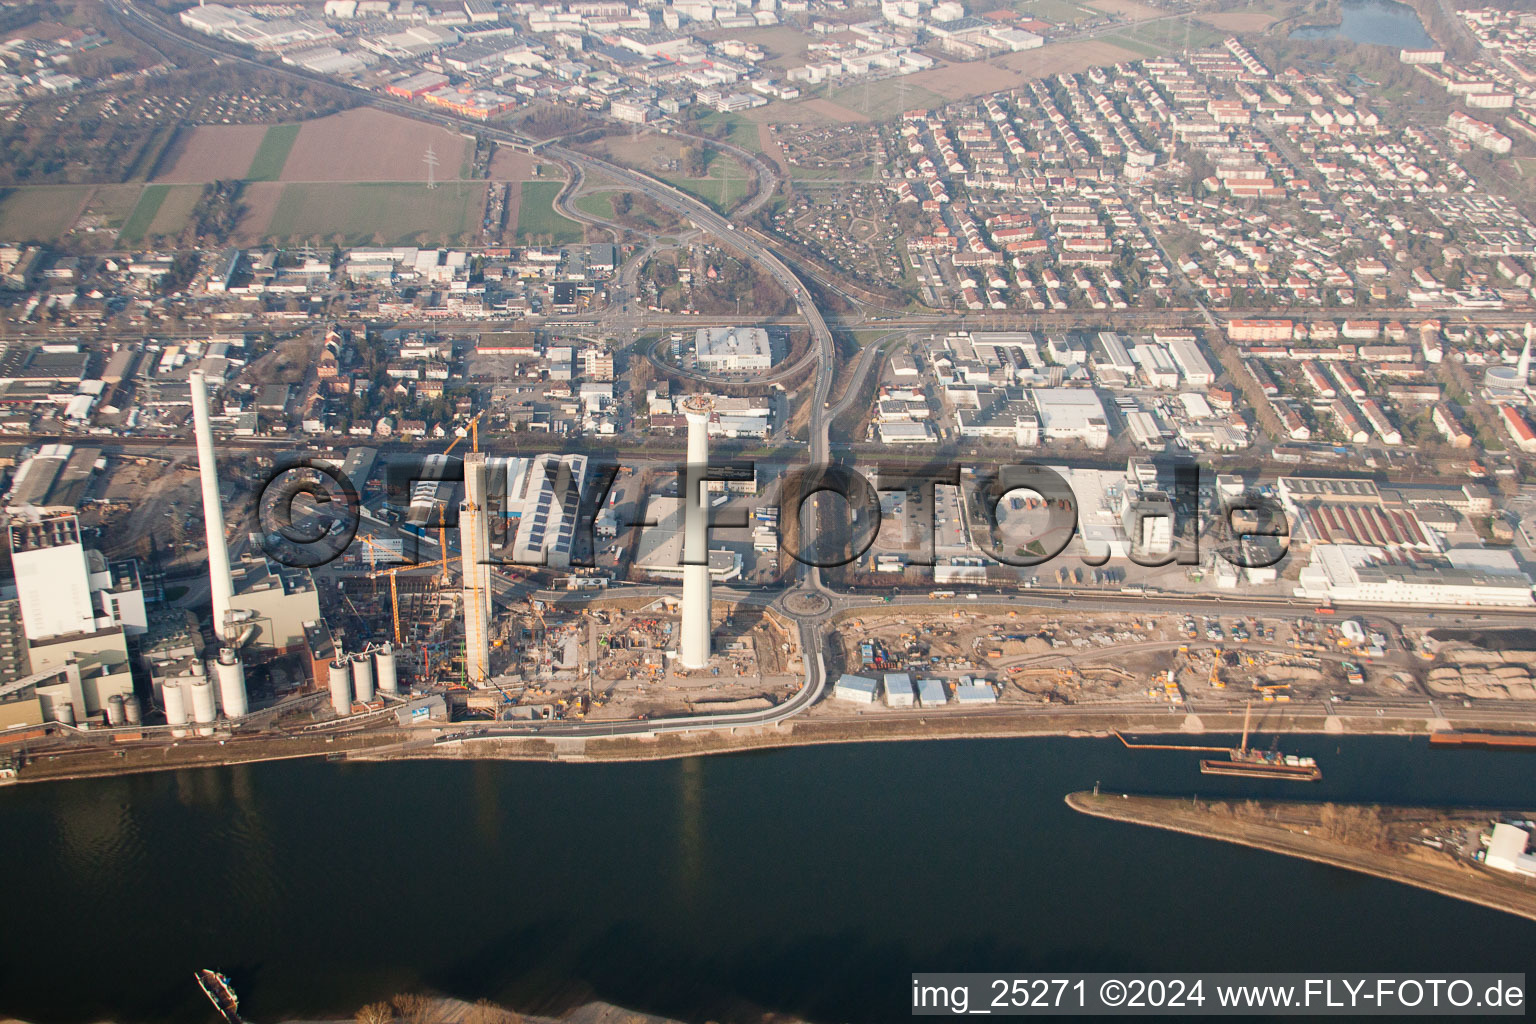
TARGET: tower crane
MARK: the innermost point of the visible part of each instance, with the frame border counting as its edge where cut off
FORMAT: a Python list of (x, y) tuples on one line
[(394, 589)]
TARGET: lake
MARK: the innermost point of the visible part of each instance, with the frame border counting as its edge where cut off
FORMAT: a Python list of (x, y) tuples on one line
[(1379, 22), (807, 881)]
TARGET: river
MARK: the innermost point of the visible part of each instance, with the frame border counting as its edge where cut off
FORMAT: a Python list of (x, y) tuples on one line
[(1381, 22), (808, 881)]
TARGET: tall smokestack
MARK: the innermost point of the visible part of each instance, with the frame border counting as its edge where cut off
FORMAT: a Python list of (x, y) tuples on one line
[(475, 547), (220, 583), (693, 648)]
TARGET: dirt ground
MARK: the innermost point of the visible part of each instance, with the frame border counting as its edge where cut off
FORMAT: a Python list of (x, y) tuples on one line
[(974, 78), (212, 152), (833, 112), (509, 165), (1238, 21), (785, 45), (370, 145), (260, 200)]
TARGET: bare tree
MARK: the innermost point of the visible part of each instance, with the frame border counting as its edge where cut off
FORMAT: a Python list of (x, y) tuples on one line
[(487, 1012), (415, 1008), (375, 1013)]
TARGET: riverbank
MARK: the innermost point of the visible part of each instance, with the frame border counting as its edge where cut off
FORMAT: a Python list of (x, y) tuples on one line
[(886, 727), (814, 728), (1381, 842), (405, 1009)]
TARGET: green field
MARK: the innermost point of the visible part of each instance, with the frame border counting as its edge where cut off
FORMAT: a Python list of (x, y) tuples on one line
[(1058, 12), (721, 193), (882, 101), (267, 164), (598, 204), (1160, 38), (375, 213), (726, 184), (537, 221), (39, 213), (144, 213), (739, 131)]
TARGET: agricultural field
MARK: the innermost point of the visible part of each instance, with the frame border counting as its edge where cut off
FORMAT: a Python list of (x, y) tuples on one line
[(162, 211), (372, 145), (211, 153), (885, 99), (1239, 21), (355, 145), (362, 213), (1159, 38), (41, 212), (998, 74), (537, 221), (508, 164), (105, 213), (272, 154)]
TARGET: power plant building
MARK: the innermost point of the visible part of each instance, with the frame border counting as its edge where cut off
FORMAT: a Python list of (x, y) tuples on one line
[(76, 610)]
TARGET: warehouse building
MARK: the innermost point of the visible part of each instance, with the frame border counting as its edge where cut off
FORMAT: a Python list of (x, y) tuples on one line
[(733, 348)]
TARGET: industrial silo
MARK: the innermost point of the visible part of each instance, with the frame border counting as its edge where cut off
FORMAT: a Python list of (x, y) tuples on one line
[(132, 711), (115, 714), (231, 684), (204, 707), (341, 688), (362, 676), (175, 705), (389, 681), (64, 714)]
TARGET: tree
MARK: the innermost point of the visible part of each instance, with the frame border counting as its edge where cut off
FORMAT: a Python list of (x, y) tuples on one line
[(415, 1008), (375, 1013)]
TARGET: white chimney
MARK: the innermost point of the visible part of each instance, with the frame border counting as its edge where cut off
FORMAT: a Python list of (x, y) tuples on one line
[(220, 582)]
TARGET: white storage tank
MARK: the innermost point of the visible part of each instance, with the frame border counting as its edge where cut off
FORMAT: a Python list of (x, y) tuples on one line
[(115, 713), (231, 684), (341, 688), (389, 681), (132, 710), (362, 676), (175, 703), (204, 707), (64, 714)]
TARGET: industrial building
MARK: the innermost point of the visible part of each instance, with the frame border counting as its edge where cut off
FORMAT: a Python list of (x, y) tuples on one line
[(1507, 850), (1071, 414), (1356, 572), (76, 610), (733, 348), (659, 551), (858, 689), (543, 499)]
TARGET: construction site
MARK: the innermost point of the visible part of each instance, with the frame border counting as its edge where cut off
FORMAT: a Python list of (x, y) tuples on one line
[(1088, 658)]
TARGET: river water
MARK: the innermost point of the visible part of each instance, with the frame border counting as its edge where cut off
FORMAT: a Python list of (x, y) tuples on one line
[(1382, 22), (810, 881)]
